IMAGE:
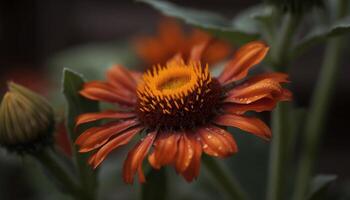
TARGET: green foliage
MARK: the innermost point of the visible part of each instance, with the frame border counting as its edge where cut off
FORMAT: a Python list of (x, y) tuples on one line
[(209, 21), (72, 84), (323, 32), (320, 185)]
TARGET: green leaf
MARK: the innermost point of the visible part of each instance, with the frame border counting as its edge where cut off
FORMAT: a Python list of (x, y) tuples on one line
[(72, 84), (248, 20), (322, 33), (319, 186), (209, 21), (156, 186)]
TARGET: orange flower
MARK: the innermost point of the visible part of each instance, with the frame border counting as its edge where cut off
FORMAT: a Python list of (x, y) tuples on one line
[(171, 39), (180, 110)]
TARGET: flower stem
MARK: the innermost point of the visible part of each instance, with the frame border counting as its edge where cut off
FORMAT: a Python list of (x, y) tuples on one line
[(224, 178), (319, 107), (58, 170), (278, 152), (280, 119)]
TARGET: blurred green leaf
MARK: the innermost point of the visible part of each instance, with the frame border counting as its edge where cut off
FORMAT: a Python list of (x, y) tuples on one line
[(319, 186), (92, 59), (209, 21), (72, 84), (156, 186), (248, 19), (323, 32)]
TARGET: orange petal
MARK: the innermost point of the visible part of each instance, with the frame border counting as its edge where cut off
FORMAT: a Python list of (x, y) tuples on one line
[(184, 154), (171, 34), (133, 162), (216, 51), (165, 148), (90, 117), (97, 136), (101, 91), (253, 91), (192, 171), (249, 124), (246, 57), (217, 142), (197, 52), (115, 143), (120, 76), (265, 104)]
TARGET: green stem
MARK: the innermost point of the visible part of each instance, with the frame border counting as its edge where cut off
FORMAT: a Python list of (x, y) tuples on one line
[(319, 106), (278, 152), (224, 178), (280, 119), (55, 167)]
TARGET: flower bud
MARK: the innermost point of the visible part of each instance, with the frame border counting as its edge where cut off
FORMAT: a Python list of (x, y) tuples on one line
[(26, 120)]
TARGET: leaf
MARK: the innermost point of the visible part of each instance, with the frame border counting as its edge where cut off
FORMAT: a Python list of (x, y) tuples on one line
[(72, 83), (322, 33), (209, 21), (248, 20), (319, 186), (156, 186)]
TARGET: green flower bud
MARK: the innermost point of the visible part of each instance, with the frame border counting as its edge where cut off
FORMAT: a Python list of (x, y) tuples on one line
[(296, 6), (26, 120)]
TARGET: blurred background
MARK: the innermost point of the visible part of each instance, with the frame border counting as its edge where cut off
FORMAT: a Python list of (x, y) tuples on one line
[(38, 38)]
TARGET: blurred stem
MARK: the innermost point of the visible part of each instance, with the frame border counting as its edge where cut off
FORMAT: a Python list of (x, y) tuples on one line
[(280, 117), (278, 152), (319, 106), (281, 46), (56, 167), (224, 178)]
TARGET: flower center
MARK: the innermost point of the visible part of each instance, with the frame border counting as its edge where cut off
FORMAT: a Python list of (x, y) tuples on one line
[(177, 96)]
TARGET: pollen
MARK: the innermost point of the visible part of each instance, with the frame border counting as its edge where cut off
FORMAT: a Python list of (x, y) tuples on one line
[(178, 95)]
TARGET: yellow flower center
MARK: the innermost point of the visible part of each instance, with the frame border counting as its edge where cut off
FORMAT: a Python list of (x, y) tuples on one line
[(170, 94)]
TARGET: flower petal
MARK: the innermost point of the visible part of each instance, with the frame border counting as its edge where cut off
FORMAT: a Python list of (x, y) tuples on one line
[(192, 171), (120, 76), (253, 91), (249, 124), (101, 91), (197, 52), (97, 136), (90, 117), (245, 58), (113, 144), (265, 104), (133, 162), (165, 148), (184, 154), (217, 142)]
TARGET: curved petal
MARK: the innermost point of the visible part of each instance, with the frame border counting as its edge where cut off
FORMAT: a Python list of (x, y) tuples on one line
[(184, 154), (253, 91), (101, 91), (249, 124), (90, 117), (197, 52), (217, 142), (120, 76), (133, 162), (265, 104), (113, 144), (245, 58), (275, 76), (192, 171), (165, 148), (97, 136)]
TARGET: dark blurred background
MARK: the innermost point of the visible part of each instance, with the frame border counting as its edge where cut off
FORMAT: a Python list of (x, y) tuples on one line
[(31, 32)]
